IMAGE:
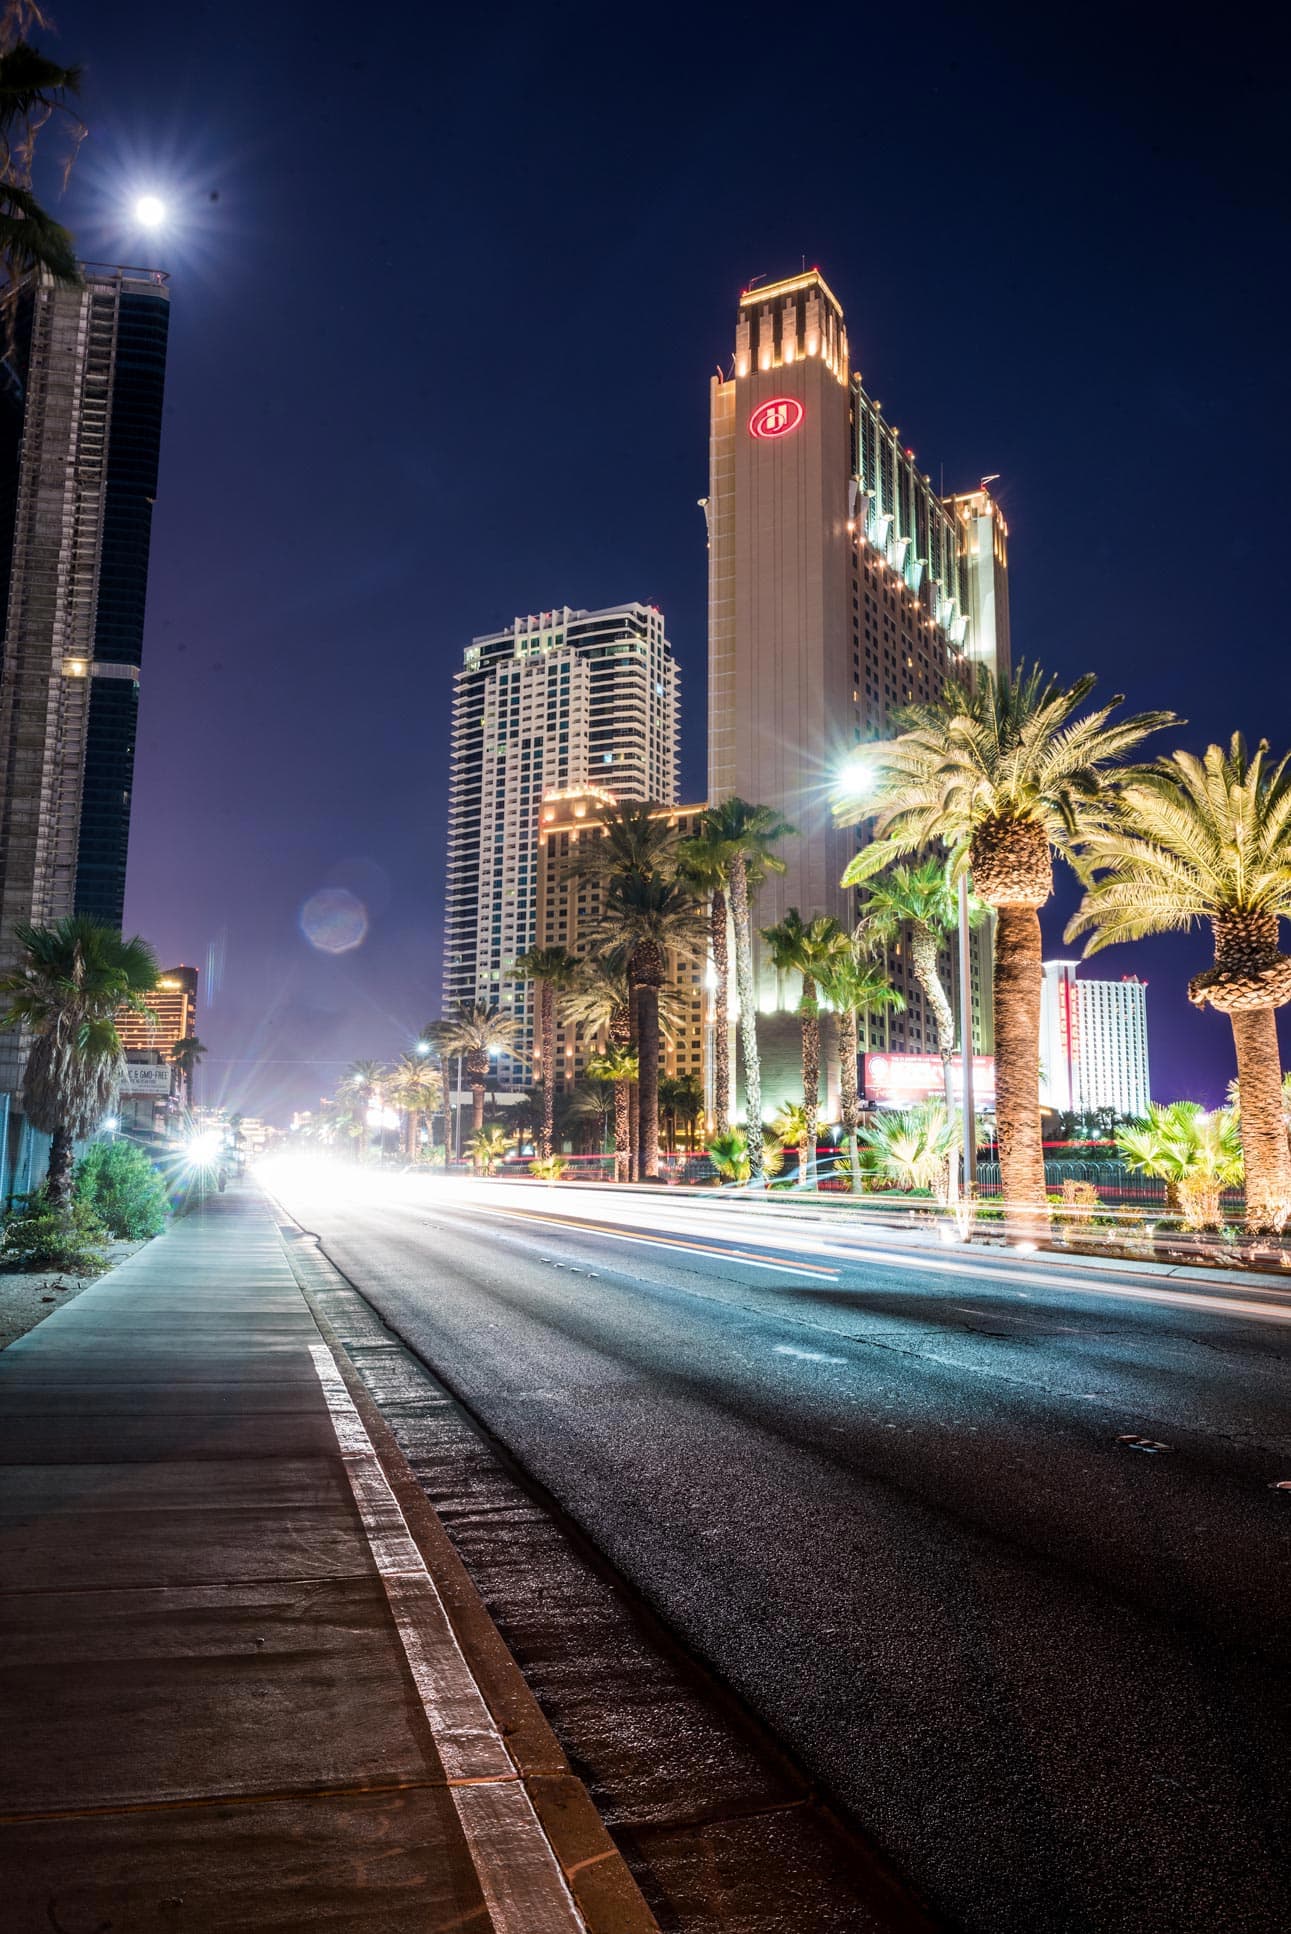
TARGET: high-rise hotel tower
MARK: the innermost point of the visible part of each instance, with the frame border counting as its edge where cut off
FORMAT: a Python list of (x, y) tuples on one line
[(562, 700), (841, 586), (80, 434)]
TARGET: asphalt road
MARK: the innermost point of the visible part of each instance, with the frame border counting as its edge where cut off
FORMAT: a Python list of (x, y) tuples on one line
[(889, 1494)]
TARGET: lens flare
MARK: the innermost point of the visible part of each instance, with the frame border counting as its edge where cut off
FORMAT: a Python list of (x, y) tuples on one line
[(334, 921)]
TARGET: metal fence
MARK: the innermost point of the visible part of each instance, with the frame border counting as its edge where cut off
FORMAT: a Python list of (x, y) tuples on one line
[(1117, 1185)]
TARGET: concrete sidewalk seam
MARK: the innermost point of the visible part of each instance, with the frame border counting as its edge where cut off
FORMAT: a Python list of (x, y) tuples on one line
[(519, 1874), (612, 1903)]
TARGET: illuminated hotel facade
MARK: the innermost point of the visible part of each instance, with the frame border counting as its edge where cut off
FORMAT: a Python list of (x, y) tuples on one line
[(559, 700), (1093, 1042), (842, 586)]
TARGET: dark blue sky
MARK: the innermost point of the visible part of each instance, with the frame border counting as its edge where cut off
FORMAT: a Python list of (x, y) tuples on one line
[(445, 303)]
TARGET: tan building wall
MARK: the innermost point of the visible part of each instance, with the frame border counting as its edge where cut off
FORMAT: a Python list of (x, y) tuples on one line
[(568, 909)]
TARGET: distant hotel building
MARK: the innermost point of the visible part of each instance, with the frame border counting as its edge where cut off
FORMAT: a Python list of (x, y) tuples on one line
[(1093, 1042), (567, 909), (170, 1013), (561, 700), (841, 586), (80, 432)]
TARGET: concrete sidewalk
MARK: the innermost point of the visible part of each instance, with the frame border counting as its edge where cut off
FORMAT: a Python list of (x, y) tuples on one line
[(232, 1696)]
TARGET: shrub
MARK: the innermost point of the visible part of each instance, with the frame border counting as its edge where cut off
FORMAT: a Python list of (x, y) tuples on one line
[(120, 1185), (548, 1168), (44, 1237)]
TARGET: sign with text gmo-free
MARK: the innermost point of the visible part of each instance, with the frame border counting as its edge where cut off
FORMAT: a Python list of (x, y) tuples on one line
[(145, 1078)]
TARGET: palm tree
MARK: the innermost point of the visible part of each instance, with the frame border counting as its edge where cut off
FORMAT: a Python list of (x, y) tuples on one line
[(748, 833), (681, 1096), (621, 1066), (32, 90), (635, 836), (704, 862), (185, 1054), (361, 1089), (1209, 839), (72, 980), (434, 1039), (853, 987), (729, 1154), (809, 948), (488, 1146), (555, 970), (1002, 773), (794, 1130), (478, 1033), (600, 1003), (914, 1145), (919, 905), (647, 916), (689, 1102), (1197, 1155), (414, 1087)]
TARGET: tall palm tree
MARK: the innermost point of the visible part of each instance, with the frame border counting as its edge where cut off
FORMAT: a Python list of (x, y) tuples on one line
[(413, 1087), (434, 1039), (600, 1004), (72, 980), (620, 1065), (749, 833), (361, 1089), (809, 948), (647, 916), (853, 987), (478, 1033), (919, 905), (185, 1055), (33, 89), (554, 970), (1209, 839), (1002, 773), (704, 862)]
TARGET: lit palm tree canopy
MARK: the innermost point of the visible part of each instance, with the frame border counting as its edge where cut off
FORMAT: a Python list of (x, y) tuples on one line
[(33, 89), (914, 1145), (809, 948), (854, 987), (633, 837), (1208, 840), (488, 1146), (1002, 774), (1197, 1154), (415, 1088), (555, 971), (477, 1033), (72, 980), (749, 834), (646, 917)]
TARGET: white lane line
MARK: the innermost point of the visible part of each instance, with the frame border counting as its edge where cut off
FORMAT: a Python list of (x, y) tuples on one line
[(519, 1875), (808, 1356)]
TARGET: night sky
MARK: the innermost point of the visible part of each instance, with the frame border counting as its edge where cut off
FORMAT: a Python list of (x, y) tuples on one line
[(446, 297)]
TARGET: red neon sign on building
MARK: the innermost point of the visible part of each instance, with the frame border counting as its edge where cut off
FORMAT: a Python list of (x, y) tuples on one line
[(776, 418)]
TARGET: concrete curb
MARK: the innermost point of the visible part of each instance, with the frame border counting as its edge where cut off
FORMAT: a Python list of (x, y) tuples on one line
[(604, 1892)]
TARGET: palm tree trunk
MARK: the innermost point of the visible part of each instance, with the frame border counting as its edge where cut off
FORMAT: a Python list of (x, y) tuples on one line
[(1017, 1071), (810, 1012), (59, 1180), (634, 1098), (648, 1086), (748, 1017), (623, 1131), (477, 1106), (923, 958), (1266, 1153), (721, 1015), (850, 1099), (547, 1007)]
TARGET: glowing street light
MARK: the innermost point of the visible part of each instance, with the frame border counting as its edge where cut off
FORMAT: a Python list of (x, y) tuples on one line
[(150, 211)]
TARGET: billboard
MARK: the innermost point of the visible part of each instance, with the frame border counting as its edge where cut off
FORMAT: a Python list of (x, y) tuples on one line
[(145, 1078), (900, 1080)]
